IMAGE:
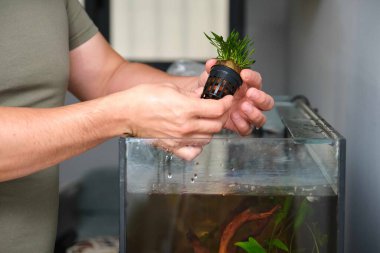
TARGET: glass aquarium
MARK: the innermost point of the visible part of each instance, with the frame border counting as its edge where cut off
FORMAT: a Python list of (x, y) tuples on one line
[(281, 189)]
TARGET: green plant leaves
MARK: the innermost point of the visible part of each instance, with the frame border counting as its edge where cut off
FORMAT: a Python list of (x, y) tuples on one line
[(302, 212), (251, 246), (284, 211), (279, 244), (233, 49)]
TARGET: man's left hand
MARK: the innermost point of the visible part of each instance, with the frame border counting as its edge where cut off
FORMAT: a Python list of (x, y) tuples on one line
[(248, 104)]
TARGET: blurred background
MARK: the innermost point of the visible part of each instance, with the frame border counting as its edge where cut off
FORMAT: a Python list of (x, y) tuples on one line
[(326, 50)]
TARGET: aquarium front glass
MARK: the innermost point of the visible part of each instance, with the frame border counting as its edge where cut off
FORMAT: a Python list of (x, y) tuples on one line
[(280, 189)]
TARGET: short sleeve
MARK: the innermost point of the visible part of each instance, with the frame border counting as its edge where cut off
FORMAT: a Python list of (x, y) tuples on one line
[(81, 27)]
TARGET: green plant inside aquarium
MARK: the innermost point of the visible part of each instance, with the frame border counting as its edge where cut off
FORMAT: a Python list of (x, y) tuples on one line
[(284, 224)]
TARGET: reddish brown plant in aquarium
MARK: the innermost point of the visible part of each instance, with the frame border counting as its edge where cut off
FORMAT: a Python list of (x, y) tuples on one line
[(232, 227), (233, 56)]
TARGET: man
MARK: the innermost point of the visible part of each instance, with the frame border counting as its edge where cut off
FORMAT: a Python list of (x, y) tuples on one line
[(49, 46)]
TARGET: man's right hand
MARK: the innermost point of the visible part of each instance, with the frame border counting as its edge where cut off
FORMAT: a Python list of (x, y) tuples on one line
[(181, 124)]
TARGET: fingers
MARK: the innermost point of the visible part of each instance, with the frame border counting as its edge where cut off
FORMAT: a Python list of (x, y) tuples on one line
[(203, 126), (210, 108), (203, 77), (260, 99), (209, 64), (250, 113), (253, 115), (188, 153), (241, 125), (247, 118), (251, 78), (197, 92)]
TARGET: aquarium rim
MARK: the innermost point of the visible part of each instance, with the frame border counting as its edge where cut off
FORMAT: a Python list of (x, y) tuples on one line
[(330, 141)]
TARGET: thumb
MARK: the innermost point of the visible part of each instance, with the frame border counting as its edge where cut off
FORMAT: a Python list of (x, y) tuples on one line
[(211, 108), (209, 64), (227, 101), (197, 92)]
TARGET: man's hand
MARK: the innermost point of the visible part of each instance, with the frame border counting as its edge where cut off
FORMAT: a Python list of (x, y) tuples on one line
[(248, 102), (180, 123), (162, 112)]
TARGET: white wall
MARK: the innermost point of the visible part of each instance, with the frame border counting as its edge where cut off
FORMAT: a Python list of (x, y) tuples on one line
[(166, 30), (335, 61)]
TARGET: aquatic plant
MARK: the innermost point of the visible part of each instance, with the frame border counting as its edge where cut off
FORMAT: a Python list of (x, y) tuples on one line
[(234, 54), (233, 225), (282, 223), (233, 49)]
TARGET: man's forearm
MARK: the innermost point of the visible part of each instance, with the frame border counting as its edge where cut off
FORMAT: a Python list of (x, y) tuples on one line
[(97, 70), (130, 74), (33, 139)]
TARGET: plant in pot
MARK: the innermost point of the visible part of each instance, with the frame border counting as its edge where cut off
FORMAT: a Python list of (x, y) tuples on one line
[(233, 56)]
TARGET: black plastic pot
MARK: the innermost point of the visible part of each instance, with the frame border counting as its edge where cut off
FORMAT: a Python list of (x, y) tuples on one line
[(222, 81)]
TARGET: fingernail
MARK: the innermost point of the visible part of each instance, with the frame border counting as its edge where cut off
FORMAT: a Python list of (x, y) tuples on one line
[(243, 75)]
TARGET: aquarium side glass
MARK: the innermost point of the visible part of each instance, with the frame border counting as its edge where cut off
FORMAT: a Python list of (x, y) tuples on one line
[(235, 165), (283, 186), (173, 205)]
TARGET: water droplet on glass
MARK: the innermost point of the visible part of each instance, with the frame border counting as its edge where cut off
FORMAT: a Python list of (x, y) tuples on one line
[(233, 169), (168, 157), (195, 175), (170, 175), (196, 163), (192, 180)]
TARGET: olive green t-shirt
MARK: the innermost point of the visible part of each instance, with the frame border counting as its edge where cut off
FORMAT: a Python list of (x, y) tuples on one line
[(35, 39)]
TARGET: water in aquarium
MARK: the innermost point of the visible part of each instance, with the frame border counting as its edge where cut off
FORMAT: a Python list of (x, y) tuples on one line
[(202, 223), (279, 190)]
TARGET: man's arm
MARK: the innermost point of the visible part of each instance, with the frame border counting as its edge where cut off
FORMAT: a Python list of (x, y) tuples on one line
[(32, 139), (97, 70)]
